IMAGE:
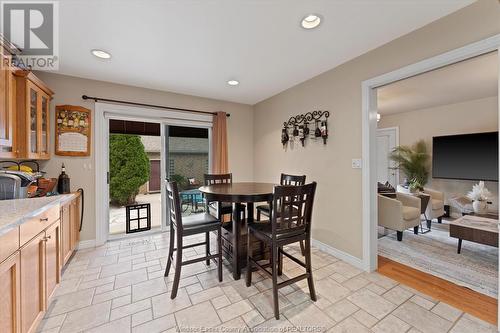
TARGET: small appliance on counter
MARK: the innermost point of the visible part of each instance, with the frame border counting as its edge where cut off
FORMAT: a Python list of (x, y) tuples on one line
[(19, 181), (15, 184)]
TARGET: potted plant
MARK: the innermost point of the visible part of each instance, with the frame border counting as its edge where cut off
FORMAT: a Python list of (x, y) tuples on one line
[(479, 196), (413, 161)]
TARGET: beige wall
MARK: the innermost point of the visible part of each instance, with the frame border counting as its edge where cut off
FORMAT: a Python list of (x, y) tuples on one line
[(337, 215), (474, 116), (68, 90)]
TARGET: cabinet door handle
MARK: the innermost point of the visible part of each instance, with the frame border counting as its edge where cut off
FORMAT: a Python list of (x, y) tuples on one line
[(44, 219), (48, 237)]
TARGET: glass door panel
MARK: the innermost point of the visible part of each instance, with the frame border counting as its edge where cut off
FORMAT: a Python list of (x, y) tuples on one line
[(45, 125), (186, 163), (33, 120)]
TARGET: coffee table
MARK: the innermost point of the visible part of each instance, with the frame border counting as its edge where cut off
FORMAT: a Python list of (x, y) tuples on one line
[(475, 229)]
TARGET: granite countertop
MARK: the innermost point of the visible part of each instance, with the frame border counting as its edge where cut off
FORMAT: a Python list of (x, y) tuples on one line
[(15, 212)]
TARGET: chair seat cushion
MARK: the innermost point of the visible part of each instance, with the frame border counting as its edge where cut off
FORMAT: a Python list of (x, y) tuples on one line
[(410, 213), (265, 228), (264, 209), (437, 204), (198, 220)]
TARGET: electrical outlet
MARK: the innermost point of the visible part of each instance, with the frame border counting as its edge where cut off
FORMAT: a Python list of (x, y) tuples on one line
[(356, 163)]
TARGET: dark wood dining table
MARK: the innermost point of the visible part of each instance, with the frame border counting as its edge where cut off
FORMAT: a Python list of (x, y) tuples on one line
[(247, 193)]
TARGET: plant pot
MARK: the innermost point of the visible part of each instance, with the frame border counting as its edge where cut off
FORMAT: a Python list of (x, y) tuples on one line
[(480, 207)]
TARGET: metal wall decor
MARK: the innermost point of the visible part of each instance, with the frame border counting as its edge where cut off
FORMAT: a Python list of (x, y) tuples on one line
[(298, 127)]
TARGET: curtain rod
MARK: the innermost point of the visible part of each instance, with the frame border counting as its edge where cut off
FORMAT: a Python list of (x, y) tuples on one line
[(97, 99)]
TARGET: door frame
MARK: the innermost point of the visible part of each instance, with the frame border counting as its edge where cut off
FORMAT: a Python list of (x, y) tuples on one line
[(394, 129), (106, 111), (369, 127)]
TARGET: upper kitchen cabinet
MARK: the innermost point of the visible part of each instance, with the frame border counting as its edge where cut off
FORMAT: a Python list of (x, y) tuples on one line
[(32, 104), (8, 147)]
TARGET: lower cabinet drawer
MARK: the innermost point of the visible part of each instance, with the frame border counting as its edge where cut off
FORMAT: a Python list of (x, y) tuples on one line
[(38, 223)]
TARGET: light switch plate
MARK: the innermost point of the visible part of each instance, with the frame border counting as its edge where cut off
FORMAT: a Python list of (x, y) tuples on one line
[(356, 163)]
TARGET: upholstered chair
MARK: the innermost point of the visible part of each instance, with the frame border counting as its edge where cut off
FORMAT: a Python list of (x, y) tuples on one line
[(435, 208), (399, 214)]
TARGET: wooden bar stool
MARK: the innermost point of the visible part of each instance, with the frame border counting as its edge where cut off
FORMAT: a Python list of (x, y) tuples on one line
[(181, 227), (286, 227), (285, 179), (221, 208)]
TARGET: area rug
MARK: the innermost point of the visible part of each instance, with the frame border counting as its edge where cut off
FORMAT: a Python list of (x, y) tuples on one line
[(436, 253)]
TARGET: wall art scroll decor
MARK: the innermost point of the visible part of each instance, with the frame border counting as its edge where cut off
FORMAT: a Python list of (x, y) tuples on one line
[(308, 126), (73, 130)]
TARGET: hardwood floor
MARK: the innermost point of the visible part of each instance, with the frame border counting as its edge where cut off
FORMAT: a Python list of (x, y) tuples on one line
[(465, 299)]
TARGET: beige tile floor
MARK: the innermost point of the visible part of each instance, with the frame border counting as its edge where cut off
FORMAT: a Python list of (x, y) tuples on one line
[(120, 288)]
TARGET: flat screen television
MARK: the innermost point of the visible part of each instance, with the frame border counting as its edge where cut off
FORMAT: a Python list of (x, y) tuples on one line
[(466, 156)]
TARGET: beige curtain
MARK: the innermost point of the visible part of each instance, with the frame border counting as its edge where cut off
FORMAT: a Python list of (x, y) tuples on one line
[(219, 144)]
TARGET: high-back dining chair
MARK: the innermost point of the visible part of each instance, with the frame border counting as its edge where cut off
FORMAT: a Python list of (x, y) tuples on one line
[(223, 208), (285, 227), (285, 179), (181, 227)]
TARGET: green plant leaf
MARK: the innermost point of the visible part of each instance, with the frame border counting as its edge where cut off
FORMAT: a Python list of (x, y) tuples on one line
[(413, 162)]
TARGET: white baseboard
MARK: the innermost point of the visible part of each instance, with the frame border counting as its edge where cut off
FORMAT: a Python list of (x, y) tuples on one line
[(86, 244), (350, 259)]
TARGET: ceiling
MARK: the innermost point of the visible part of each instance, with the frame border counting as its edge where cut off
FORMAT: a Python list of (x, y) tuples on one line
[(194, 47), (467, 80)]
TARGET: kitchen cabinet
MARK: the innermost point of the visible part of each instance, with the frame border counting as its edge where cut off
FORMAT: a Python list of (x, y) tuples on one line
[(66, 249), (52, 259), (75, 223), (8, 138), (32, 283), (32, 122), (10, 291), (70, 228), (31, 258)]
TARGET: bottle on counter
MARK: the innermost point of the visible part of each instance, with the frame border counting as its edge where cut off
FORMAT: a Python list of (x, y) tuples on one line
[(63, 182)]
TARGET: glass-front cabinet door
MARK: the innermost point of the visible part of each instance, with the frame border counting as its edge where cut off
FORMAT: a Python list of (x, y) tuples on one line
[(44, 141), (33, 120)]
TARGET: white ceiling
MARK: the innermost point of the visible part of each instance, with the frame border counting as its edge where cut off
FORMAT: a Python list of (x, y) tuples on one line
[(194, 47), (467, 80)]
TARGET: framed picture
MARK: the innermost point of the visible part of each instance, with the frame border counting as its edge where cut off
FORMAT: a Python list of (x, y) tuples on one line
[(73, 130)]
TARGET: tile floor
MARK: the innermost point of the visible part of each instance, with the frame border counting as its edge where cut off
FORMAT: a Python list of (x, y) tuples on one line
[(120, 288)]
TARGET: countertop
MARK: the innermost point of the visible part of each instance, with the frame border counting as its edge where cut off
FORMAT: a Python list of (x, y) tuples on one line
[(15, 212)]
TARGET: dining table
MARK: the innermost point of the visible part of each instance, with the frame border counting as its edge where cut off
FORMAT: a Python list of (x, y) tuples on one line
[(239, 194)]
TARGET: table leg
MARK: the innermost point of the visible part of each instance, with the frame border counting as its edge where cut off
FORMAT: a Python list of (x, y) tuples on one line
[(236, 240), (249, 212), (459, 245)]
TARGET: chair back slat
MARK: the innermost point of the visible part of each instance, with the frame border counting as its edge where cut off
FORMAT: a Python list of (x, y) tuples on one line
[(174, 204), (294, 204), (292, 180), (213, 179)]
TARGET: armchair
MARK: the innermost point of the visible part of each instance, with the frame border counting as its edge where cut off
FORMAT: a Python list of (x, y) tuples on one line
[(399, 214), (435, 208)]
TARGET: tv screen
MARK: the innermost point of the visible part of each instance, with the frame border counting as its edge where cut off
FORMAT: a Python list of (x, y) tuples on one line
[(466, 156)]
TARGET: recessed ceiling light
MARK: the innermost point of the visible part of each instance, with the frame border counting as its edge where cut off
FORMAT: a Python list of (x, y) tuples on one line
[(101, 54), (311, 21), (233, 82)]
